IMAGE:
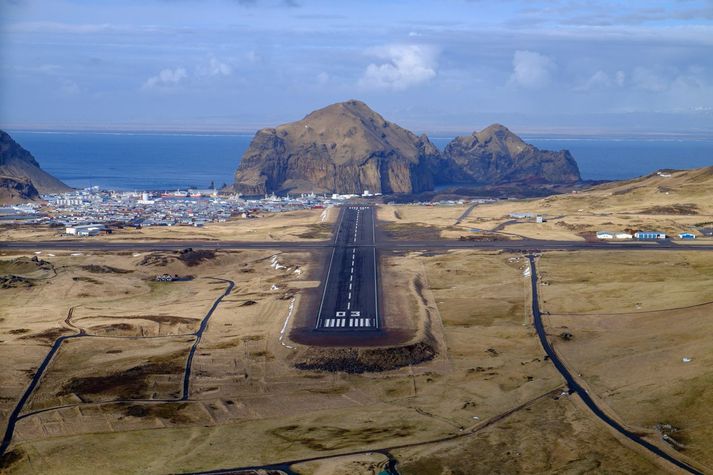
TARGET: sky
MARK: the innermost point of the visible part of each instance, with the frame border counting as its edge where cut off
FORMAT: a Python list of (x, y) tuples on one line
[(569, 67)]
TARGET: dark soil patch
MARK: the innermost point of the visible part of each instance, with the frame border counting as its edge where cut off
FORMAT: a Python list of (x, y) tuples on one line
[(364, 360), (331, 437), (114, 352), (101, 269), (113, 327), (167, 411), (411, 231), (19, 331), (89, 280), (49, 335), (317, 231), (155, 259), (193, 258), (487, 237), (247, 303), (187, 256), (14, 282), (10, 458), (128, 384), (170, 319), (678, 209)]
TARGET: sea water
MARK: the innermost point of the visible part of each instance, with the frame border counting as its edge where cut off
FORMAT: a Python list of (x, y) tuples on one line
[(138, 161)]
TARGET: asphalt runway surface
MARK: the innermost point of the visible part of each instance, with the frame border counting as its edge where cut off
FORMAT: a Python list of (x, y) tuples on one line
[(350, 291)]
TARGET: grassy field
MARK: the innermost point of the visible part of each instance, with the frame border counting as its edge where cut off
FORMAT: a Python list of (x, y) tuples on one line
[(110, 399), (244, 385)]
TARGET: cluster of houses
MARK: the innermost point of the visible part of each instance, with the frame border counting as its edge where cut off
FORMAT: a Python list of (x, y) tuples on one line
[(91, 211), (641, 235)]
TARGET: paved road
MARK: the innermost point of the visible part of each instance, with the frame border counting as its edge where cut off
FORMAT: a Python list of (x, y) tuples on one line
[(350, 291), (575, 387), (16, 413), (465, 213), (174, 245)]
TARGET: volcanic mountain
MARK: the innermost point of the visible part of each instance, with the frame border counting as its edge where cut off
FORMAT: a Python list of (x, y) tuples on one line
[(495, 156), (343, 148), (348, 148), (21, 177)]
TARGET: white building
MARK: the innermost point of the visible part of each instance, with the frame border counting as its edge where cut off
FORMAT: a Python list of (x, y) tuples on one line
[(85, 229), (605, 235), (621, 235)]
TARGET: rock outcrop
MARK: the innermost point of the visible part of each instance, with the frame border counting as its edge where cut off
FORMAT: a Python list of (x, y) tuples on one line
[(349, 148), (343, 148), (17, 190), (495, 156), (19, 164)]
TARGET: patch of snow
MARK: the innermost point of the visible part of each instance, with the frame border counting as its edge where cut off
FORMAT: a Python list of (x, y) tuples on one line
[(284, 326)]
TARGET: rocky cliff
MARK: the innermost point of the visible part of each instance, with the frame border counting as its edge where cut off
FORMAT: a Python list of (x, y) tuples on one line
[(495, 155), (343, 148), (18, 164), (16, 190)]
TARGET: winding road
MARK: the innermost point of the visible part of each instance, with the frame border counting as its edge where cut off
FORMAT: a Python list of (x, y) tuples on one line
[(575, 387), (354, 248), (16, 413)]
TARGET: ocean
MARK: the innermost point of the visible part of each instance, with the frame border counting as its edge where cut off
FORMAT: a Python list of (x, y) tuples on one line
[(124, 161)]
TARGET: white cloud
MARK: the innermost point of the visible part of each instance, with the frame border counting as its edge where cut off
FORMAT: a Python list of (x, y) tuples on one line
[(620, 78), (598, 80), (217, 68), (214, 67), (531, 69), (648, 80), (405, 66), (322, 78), (167, 77), (69, 88)]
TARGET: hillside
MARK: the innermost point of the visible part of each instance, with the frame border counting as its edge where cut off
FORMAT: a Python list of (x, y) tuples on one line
[(343, 148), (348, 148), (666, 192), (18, 166), (495, 155)]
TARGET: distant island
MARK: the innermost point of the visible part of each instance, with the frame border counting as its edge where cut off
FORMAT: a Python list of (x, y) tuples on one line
[(349, 148)]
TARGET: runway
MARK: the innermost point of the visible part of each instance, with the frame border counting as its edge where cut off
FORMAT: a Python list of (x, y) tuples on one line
[(350, 293)]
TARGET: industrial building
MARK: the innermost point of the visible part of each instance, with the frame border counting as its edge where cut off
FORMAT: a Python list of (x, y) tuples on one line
[(85, 229)]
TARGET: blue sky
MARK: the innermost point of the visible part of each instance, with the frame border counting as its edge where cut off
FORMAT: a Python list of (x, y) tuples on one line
[(560, 66)]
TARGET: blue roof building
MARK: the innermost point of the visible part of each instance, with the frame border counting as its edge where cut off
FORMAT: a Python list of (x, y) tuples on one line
[(649, 235)]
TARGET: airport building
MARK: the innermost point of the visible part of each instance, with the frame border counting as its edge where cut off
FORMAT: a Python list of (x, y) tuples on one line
[(649, 235)]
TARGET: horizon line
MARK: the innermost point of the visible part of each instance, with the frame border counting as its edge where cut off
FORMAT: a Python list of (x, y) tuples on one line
[(445, 133)]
